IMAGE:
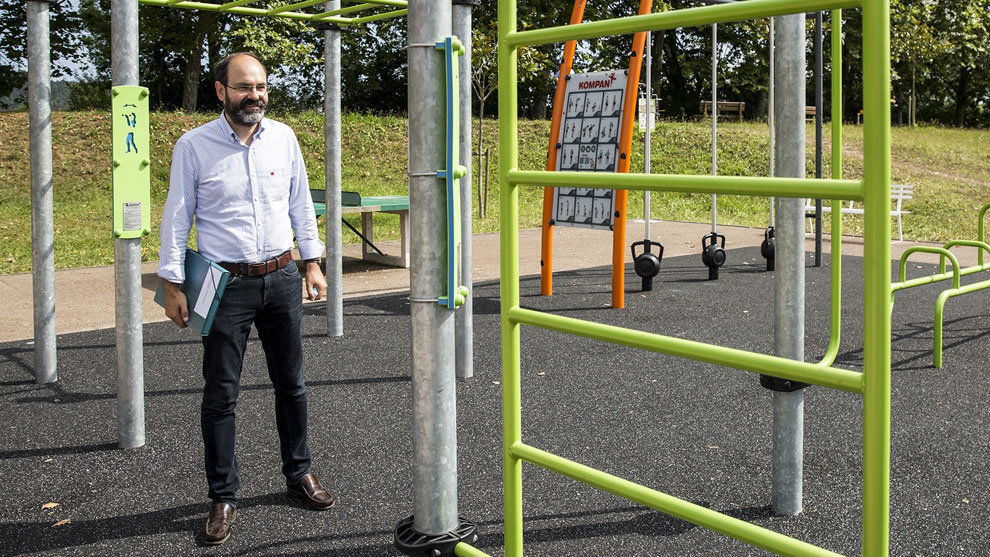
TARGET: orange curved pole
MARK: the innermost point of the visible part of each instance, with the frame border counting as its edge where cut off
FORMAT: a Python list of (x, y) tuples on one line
[(625, 152), (546, 249)]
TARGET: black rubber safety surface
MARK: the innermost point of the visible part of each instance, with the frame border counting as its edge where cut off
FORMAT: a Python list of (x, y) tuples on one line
[(696, 431)]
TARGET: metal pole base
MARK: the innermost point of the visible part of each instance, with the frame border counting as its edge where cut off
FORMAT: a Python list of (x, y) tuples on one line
[(417, 544)]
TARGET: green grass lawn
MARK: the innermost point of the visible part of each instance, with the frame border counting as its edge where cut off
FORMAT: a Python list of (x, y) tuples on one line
[(948, 167)]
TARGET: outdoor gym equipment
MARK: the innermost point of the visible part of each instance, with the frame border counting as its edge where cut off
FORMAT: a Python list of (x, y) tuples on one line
[(957, 272), (433, 330), (767, 247), (873, 383), (769, 232), (620, 162), (713, 255), (646, 264)]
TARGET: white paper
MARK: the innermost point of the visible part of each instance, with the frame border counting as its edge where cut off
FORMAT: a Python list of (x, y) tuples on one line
[(132, 215), (207, 291)]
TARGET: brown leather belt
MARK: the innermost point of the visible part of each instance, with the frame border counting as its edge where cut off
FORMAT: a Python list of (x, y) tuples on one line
[(258, 269)]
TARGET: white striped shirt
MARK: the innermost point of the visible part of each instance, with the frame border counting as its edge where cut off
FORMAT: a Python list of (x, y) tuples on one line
[(247, 200)]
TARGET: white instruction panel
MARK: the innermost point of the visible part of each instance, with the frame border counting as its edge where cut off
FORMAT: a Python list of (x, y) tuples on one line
[(589, 142)]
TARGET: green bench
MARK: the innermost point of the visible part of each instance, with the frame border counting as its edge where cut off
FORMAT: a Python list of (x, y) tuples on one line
[(395, 204)]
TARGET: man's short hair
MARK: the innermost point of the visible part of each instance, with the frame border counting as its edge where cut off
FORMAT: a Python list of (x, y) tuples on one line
[(220, 70)]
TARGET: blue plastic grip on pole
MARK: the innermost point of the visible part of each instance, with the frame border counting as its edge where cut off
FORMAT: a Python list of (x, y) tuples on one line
[(452, 173)]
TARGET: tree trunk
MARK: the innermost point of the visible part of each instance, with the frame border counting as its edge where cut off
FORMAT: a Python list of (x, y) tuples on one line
[(962, 95), (657, 52), (914, 99), (193, 70), (541, 92), (675, 76)]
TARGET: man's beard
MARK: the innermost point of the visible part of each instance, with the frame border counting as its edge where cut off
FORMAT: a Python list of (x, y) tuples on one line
[(244, 117)]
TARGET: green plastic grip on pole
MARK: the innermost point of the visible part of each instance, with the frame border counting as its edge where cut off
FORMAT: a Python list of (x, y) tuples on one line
[(456, 294), (131, 168)]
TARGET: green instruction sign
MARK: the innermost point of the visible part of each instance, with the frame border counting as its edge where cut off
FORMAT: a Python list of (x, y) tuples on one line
[(131, 162)]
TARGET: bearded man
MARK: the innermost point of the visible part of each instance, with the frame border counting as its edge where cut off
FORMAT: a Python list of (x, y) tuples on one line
[(243, 178)]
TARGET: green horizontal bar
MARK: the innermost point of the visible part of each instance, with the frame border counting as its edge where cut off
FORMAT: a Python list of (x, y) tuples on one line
[(242, 11), (733, 185), (356, 8), (676, 507), (228, 5), (930, 279), (967, 288), (835, 378), (464, 550), (689, 17), (378, 17), (393, 3), (297, 5)]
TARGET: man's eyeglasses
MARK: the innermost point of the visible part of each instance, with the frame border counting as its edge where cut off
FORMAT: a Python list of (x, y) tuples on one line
[(246, 89)]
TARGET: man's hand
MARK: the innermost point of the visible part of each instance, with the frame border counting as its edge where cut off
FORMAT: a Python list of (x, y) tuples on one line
[(316, 284), (176, 308)]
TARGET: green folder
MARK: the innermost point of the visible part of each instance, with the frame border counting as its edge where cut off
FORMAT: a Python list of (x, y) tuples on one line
[(204, 286)]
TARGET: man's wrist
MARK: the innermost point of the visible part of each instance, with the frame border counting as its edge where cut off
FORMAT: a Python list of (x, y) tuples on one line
[(312, 260), (171, 285)]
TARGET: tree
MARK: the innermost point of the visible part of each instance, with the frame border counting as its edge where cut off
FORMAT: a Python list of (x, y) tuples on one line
[(484, 82), (65, 52), (913, 42), (175, 43), (374, 67), (961, 67)]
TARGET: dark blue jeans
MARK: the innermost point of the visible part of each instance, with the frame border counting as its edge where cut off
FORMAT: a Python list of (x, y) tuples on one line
[(272, 302)]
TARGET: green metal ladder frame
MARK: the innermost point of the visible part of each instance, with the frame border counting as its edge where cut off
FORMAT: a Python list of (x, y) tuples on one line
[(873, 190), (296, 10), (957, 289)]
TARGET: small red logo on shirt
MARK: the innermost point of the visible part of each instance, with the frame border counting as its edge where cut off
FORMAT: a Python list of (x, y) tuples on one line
[(273, 173)]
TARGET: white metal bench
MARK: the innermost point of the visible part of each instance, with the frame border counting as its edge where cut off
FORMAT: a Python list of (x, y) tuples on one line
[(898, 193)]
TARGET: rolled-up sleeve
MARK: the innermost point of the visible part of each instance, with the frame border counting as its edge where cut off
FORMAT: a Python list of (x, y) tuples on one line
[(301, 213), (177, 216)]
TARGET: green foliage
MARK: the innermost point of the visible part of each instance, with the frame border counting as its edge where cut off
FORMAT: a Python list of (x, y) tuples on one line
[(374, 68), (291, 50), (63, 40)]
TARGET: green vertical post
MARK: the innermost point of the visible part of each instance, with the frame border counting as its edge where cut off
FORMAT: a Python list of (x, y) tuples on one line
[(509, 287), (876, 296), (835, 296)]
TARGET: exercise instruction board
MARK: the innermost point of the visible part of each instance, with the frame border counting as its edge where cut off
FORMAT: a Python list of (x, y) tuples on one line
[(589, 142), (130, 146)]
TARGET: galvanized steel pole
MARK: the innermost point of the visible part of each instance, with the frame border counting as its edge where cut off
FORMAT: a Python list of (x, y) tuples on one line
[(788, 407), (332, 181), (42, 219), (647, 137), (714, 120), (127, 254), (464, 316), (433, 385)]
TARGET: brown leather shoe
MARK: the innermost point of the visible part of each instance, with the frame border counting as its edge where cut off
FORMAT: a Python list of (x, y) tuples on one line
[(311, 493), (217, 527)]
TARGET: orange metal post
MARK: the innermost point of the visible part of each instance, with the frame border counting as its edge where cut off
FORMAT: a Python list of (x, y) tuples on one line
[(625, 153), (546, 251)]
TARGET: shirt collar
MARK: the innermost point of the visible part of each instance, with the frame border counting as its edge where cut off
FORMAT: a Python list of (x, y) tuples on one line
[(229, 131)]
